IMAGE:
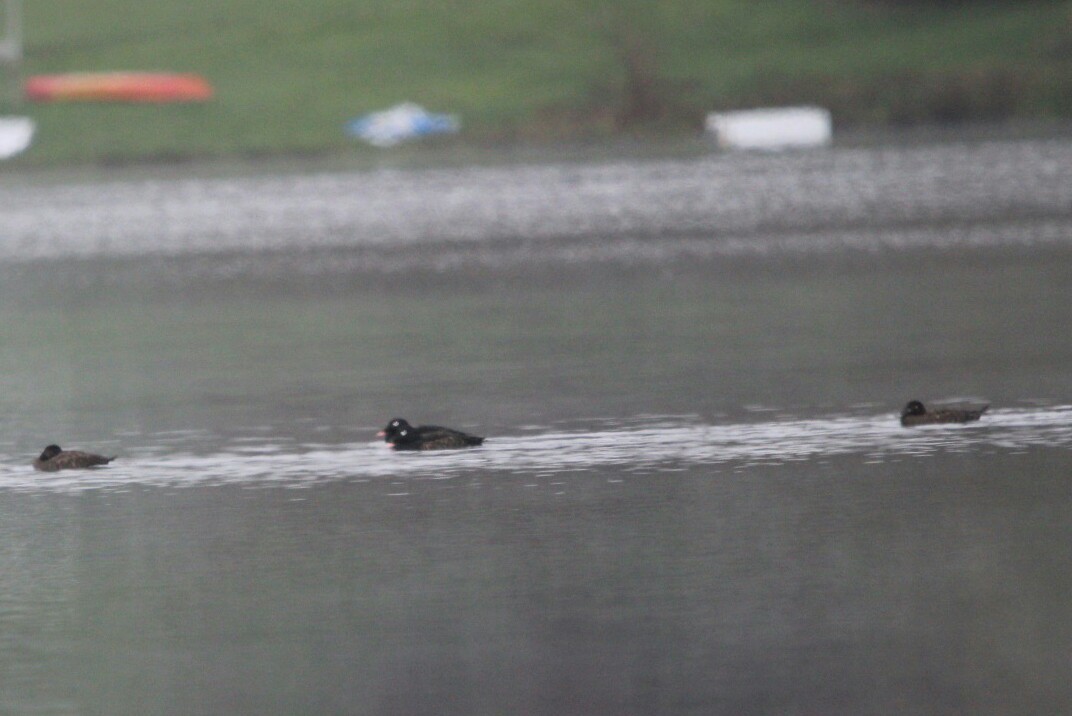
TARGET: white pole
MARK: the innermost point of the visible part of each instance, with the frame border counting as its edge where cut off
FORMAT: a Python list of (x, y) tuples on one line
[(11, 47)]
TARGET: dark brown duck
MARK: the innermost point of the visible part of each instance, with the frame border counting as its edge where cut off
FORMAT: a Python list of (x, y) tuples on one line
[(916, 414), (403, 436), (55, 458)]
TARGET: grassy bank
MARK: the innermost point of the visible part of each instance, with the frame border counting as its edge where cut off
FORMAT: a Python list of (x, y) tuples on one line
[(288, 74)]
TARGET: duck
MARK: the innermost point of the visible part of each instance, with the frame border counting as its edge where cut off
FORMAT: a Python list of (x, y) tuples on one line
[(403, 436), (916, 414), (55, 458)]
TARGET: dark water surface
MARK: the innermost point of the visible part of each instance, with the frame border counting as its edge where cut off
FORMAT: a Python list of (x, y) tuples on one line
[(695, 497)]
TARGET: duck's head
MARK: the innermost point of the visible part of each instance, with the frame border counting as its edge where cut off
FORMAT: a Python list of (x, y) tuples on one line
[(405, 436), (914, 407), (394, 429), (50, 452)]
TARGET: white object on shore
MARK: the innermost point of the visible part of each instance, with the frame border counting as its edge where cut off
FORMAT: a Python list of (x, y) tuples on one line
[(774, 128), (16, 133)]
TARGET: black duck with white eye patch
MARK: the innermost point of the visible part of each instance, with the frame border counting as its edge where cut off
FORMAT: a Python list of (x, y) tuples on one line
[(915, 413), (54, 458), (392, 430), (403, 436)]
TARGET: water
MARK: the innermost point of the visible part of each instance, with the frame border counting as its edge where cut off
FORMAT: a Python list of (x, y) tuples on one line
[(695, 496)]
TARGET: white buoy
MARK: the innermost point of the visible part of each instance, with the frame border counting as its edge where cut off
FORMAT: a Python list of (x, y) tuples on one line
[(773, 128), (16, 133)]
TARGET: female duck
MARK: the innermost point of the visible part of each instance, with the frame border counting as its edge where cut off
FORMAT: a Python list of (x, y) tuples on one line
[(55, 458), (915, 414)]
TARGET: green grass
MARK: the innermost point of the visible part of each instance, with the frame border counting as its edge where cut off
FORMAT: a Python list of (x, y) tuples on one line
[(290, 73)]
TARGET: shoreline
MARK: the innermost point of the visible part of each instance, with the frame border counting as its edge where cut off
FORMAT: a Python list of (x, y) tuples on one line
[(440, 153)]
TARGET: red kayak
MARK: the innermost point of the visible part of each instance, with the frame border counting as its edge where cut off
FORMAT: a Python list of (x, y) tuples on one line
[(118, 87)]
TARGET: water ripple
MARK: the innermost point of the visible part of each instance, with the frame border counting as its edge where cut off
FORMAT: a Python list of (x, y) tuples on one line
[(659, 447)]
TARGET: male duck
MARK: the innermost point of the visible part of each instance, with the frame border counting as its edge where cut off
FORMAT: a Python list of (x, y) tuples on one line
[(403, 436)]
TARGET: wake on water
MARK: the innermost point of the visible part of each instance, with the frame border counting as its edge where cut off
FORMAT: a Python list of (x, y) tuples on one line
[(655, 445)]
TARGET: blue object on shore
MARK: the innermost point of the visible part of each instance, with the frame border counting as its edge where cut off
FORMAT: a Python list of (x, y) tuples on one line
[(400, 123)]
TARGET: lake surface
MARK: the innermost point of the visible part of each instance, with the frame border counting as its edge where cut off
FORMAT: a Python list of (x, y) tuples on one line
[(695, 497)]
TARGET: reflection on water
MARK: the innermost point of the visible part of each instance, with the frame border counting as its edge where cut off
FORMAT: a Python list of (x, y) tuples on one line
[(654, 446), (738, 203)]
